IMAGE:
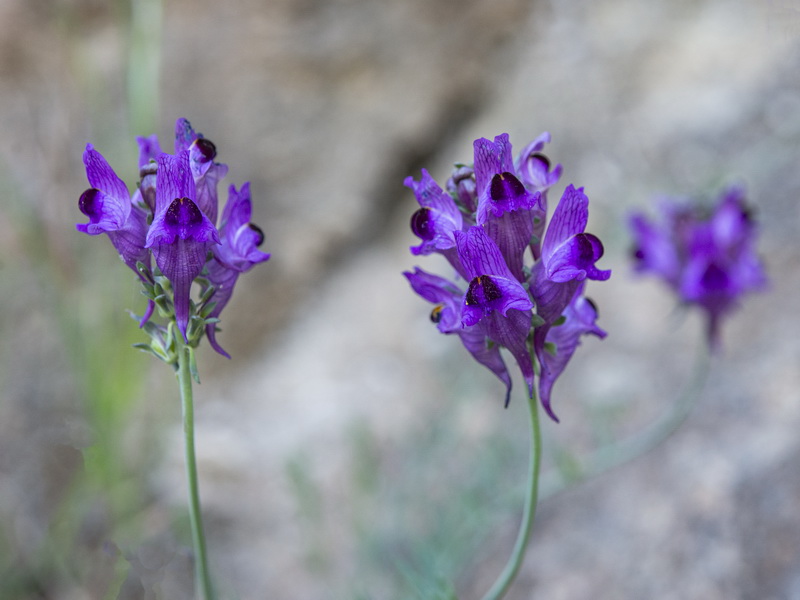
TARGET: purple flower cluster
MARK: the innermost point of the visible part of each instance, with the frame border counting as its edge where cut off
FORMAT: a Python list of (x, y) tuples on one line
[(172, 216), (706, 256), (490, 219)]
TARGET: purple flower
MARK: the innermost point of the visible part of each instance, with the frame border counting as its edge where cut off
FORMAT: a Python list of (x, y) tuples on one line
[(708, 258), (491, 214), (505, 206), (149, 150), (495, 299), (205, 171), (172, 215), (448, 298), (568, 258), (108, 205), (238, 252), (181, 234), (461, 186), (436, 220), (562, 339), (110, 210), (535, 173)]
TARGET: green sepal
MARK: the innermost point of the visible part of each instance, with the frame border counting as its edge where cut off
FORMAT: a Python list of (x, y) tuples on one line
[(550, 348), (194, 332), (559, 321), (207, 309), (152, 350), (537, 321), (207, 293), (144, 270), (149, 290), (169, 342)]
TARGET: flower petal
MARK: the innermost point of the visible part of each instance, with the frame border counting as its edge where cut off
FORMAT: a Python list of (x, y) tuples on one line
[(105, 212), (102, 177), (580, 316), (442, 292), (486, 353), (149, 149), (438, 217), (240, 238), (512, 332), (181, 262), (489, 293), (174, 180), (569, 218), (575, 258), (479, 254)]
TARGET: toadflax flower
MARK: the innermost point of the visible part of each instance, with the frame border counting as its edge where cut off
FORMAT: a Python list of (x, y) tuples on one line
[(707, 257), (172, 216), (512, 289), (237, 253), (181, 234)]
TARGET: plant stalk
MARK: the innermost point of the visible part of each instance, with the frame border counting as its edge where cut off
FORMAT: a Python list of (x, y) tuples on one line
[(506, 578), (203, 588)]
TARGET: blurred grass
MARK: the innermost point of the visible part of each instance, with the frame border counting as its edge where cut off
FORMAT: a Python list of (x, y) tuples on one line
[(76, 290)]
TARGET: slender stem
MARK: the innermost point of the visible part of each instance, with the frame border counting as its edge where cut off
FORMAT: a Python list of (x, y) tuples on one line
[(204, 589), (506, 578)]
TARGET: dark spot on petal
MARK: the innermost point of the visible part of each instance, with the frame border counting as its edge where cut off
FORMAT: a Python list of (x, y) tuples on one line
[(259, 233), (637, 253), (591, 303), (541, 158), (436, 313), (207, 148), (715, 278), (88, 203), (422, 224), (183, 212), (505, 186), (482, 290)]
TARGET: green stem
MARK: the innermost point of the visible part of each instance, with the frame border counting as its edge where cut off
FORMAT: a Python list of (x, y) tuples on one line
[(506, 578), (202, 575)]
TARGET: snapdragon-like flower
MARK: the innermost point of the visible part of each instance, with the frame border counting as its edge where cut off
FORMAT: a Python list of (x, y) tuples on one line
[(172, 216), (112, 211), (707, 257), (490, 224), (181, 234), (568, 258), (237, 253), (448, 299)]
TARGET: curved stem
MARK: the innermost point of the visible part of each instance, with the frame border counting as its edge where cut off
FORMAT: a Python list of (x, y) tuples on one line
[(506, 578), (204, 589)]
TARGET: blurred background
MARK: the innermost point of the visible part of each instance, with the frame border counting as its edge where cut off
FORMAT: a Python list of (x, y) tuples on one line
[(348, 450)]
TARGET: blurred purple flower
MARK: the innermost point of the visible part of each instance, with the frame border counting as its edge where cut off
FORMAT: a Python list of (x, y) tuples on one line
[(708, 258)]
